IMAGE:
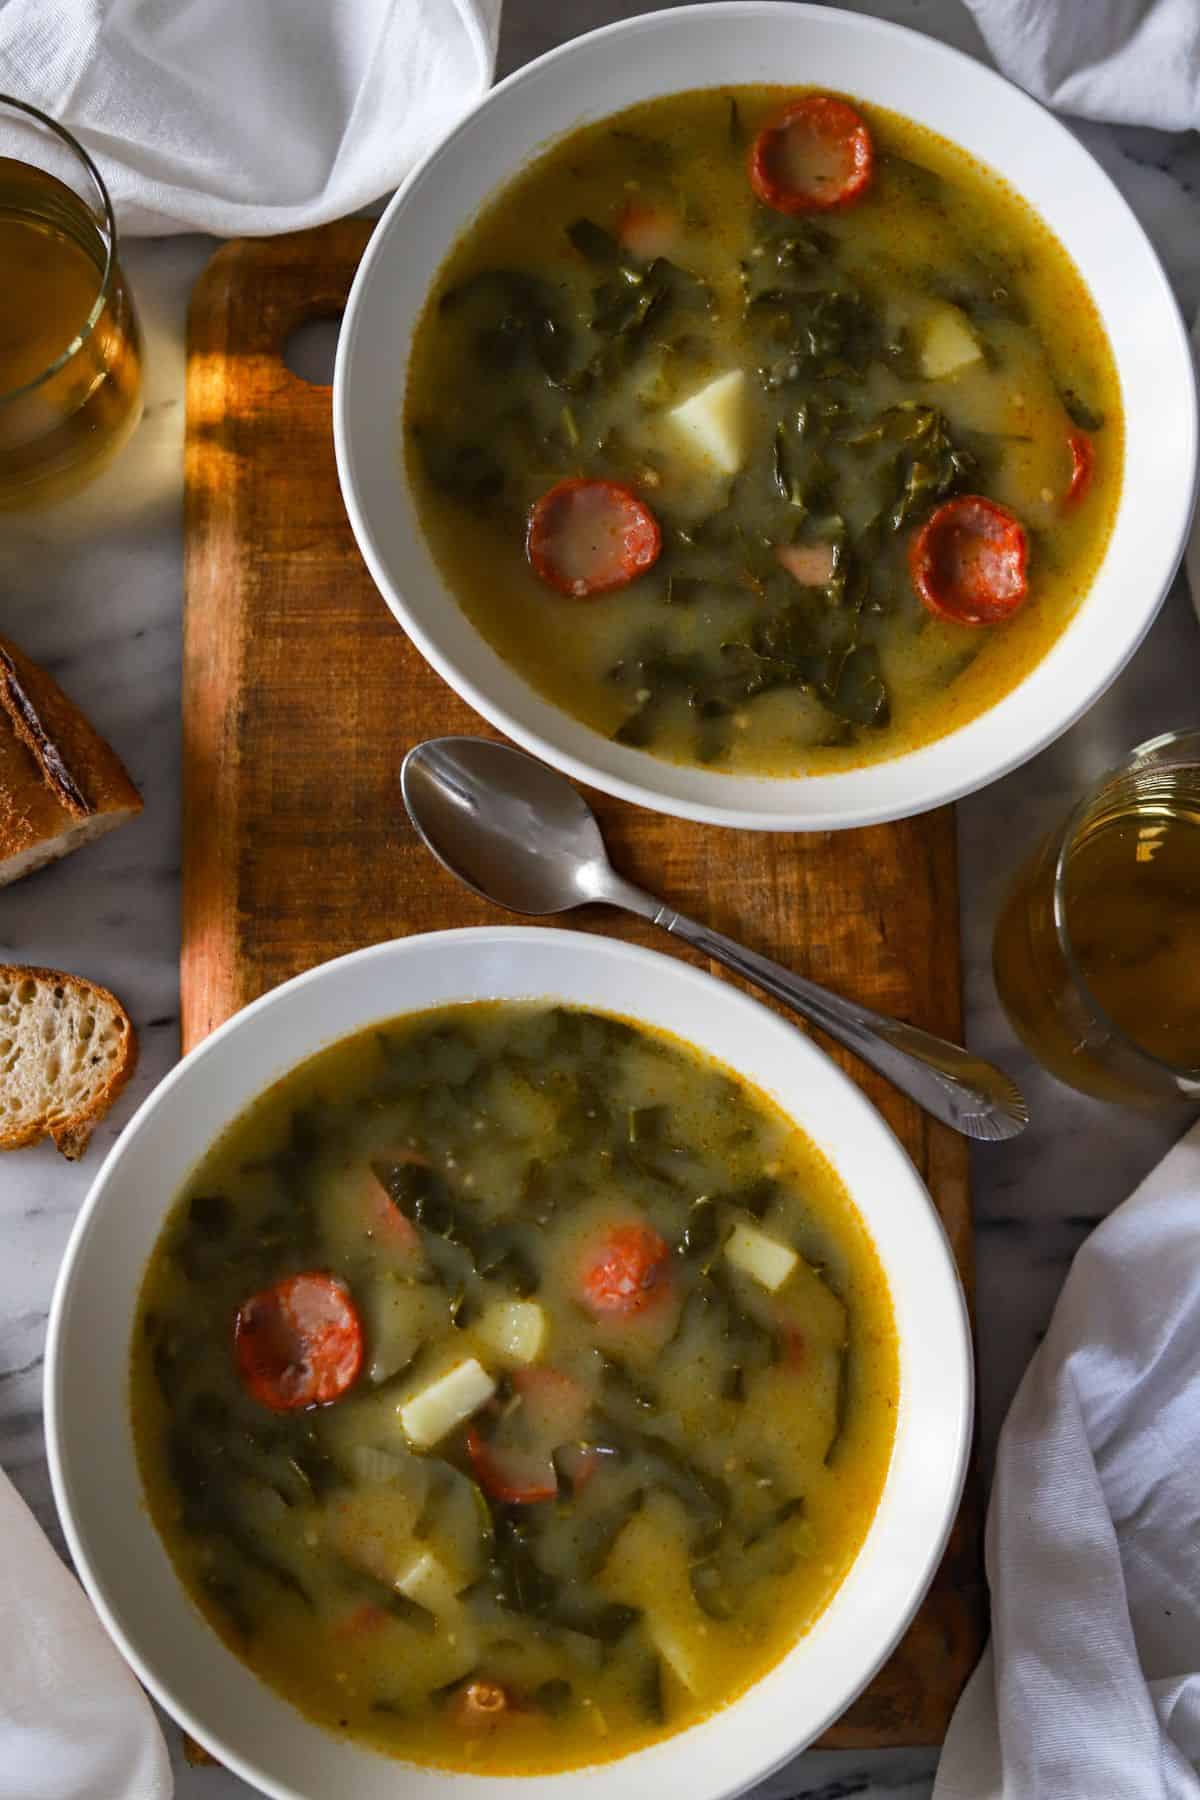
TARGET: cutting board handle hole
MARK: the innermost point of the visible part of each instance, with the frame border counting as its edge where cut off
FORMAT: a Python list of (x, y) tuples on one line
[(310, 348)]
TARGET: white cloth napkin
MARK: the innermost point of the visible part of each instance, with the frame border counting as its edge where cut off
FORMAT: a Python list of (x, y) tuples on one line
[(1092, 1688), (1132, 62), (247, 117), (74, 1724)]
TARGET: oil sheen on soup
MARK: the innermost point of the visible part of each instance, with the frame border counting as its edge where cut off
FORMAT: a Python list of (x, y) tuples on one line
[(763, 430), (512, 1386)]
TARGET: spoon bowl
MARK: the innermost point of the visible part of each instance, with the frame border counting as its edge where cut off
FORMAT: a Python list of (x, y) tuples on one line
[(509, 827)]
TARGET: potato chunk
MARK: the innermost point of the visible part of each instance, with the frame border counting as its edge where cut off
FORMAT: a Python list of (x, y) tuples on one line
[(514, 1330), (426, 1583), (649, 1569), (712, 423), (763, 1258), (949, 344), (431, 1414)]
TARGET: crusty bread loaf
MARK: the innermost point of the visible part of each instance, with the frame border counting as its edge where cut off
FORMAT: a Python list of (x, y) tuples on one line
[(60, 784), (67, 1048)]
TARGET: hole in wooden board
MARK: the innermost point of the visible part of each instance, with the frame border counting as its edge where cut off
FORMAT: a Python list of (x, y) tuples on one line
[(310, 349)]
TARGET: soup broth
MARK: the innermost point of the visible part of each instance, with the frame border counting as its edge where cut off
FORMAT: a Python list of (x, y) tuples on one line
[(787, 400), (512, 1387)]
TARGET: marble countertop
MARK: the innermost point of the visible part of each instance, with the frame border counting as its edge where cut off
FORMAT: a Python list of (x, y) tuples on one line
[(93, 590)]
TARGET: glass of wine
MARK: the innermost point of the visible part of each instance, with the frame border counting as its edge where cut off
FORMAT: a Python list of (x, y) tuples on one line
[(70, 348), (1097, 947)]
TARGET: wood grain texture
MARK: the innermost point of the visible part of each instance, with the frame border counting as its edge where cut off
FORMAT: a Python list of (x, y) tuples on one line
[(300, 697)]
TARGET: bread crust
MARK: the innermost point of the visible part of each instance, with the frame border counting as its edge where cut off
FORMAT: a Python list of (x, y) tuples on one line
[(70, 1132), (60, 782)]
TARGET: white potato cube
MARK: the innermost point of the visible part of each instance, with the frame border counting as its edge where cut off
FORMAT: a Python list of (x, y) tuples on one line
[(437, 1409), (514, 1330), (426, 1583), (949, 344), (712, 423), (764, 1258)]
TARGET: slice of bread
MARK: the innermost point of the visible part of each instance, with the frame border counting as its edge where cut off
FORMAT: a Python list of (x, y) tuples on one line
[(61, 785), (67, 1048)]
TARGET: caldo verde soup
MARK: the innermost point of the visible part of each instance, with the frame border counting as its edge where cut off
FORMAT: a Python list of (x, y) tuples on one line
[(512, 1386), (763, 431)]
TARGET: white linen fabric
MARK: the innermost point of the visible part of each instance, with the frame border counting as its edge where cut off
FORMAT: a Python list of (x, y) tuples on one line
[(74, 1724), (1091, 1690), (248, 117), (1129, 62)]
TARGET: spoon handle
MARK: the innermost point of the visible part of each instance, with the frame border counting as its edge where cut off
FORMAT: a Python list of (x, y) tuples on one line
[(964, 1091)]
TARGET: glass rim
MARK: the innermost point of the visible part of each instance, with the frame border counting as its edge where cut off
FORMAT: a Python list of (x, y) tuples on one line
[(1184, 1075), (106, 279)]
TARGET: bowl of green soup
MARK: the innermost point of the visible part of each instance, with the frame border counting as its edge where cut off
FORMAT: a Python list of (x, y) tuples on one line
[(507, 1353), (768, 415)]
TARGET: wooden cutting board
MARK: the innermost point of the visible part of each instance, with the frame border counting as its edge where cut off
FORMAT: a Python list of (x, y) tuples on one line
[(300, 696)]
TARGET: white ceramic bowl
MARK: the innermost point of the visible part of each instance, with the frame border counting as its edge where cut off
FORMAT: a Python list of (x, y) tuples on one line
[(749, 41), (117, 1552)]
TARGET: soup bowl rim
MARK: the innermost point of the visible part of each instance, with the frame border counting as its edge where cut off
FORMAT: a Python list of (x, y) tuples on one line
[(1161, 437), (93, 1469)]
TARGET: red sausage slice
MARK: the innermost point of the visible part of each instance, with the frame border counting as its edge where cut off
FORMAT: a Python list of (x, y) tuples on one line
[(516, 1463), (480, 1706), (512, 1476), (809, 564), (1083, 461), (627, 1272), (967, 562), (816, 156), (647, 231), (299, 1343), (589, 537), (552, 1404)]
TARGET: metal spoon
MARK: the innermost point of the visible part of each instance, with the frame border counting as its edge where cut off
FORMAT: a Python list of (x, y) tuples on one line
[(519, 834)]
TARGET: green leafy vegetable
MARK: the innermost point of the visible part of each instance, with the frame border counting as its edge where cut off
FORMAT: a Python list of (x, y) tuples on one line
[(515, 1578), (422, 1195), (860, 695), (841, 1406), (599, 1532), (1088, 418), (554, 1697), (649, 1689), (705, 1496), (783, 472), (465, 470), (230, 1597), (925, 183), (629, 312), (645, 1124), (819, 336), (511, 317), (792, 1508), (700, 1237), (593, 242), (210, 1215), (713, 1593)]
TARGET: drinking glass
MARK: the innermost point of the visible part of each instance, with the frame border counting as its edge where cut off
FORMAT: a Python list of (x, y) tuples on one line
[(70, 347), (1097, 947)]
